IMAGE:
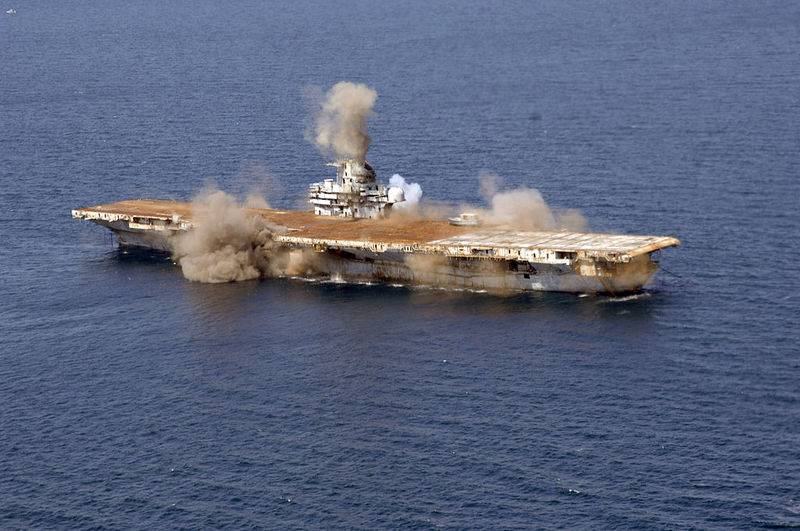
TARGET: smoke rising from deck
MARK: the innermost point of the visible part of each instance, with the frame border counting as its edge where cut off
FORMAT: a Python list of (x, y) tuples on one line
[(524, 208), (411, 191), (340, 127), (255, 200), (257, 180), (227, 244), (490, 184)]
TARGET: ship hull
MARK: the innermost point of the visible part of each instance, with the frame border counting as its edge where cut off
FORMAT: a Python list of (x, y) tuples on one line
[(477, 274), (357, 265), (407, 250), (143, 239)]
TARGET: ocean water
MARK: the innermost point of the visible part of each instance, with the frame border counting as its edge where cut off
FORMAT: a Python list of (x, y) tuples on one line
[(133, 398)]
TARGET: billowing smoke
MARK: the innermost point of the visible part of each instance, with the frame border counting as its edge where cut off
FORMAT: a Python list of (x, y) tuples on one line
[(524, 208), (411, 191), (254, 178), (341, 123), (227, 243), (490, 184), (255, 200)]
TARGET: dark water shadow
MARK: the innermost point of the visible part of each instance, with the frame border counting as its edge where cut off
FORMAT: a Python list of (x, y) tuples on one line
[(129, 260), (138, 255)]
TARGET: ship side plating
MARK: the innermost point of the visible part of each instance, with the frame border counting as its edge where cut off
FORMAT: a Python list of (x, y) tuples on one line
[(431, 252)]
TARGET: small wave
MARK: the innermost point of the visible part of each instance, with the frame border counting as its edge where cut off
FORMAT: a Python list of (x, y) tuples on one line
[(569, 491), (304, 279), (625, 298)]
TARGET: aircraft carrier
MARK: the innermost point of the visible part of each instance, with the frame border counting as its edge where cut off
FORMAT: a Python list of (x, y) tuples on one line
[(355, 236)]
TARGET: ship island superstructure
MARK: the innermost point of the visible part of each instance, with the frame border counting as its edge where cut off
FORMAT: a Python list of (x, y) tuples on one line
[(355, 193), (354, 237)]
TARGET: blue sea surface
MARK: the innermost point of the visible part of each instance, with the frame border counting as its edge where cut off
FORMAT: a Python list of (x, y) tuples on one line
[(131, 397)]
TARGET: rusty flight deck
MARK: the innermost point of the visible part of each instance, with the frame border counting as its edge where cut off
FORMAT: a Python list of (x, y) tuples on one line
[(304, 228)]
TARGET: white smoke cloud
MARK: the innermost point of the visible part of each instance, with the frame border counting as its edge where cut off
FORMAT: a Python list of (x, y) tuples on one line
[(411, 191)]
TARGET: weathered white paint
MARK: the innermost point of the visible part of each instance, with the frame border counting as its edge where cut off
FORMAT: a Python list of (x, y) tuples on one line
[(355, 193)]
